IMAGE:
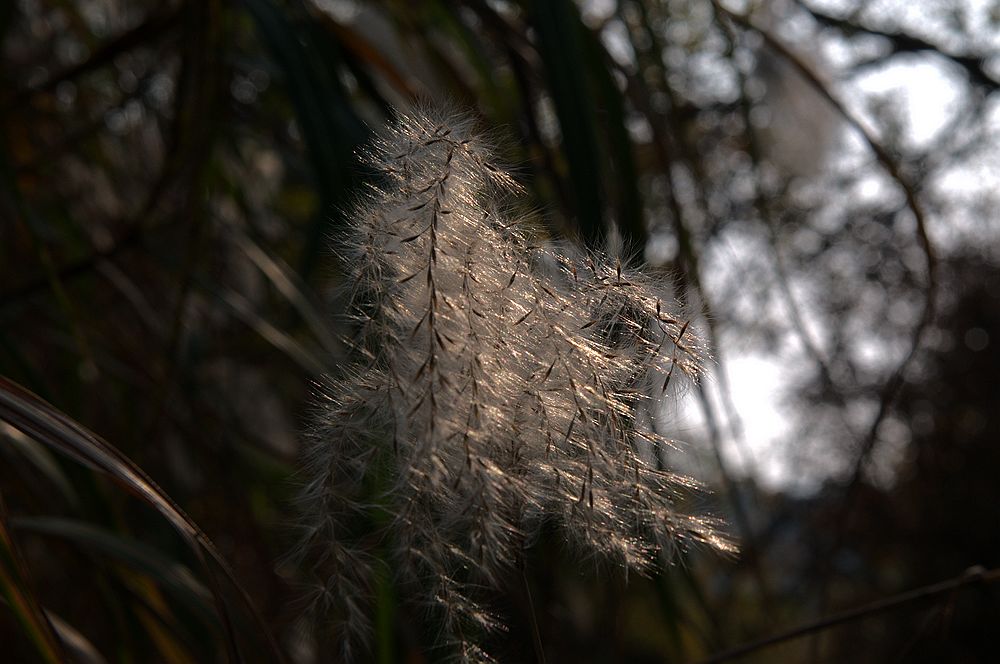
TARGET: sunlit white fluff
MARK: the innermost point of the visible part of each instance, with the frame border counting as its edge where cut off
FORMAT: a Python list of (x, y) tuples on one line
[(497, 384)]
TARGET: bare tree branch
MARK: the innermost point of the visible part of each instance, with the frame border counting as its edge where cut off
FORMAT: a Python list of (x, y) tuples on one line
[(973, 576), (902, 42)]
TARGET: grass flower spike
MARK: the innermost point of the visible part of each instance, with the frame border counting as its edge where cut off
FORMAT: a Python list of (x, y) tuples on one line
[(496, 385)]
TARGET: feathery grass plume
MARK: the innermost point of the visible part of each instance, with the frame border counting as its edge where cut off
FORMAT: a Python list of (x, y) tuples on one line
[(496, 385)]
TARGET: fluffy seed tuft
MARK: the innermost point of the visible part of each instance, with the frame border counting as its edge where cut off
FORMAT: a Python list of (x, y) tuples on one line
[(496, 385)]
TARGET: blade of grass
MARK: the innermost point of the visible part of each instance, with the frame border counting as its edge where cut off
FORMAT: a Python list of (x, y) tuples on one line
[(15, 587), (40, 458), (38, 419), (279, 274), (82, 651), (244, 310), (172, 576), (331, 130), (560, 44), (611, 108), (364, 51), (469, 44), (152, 612)]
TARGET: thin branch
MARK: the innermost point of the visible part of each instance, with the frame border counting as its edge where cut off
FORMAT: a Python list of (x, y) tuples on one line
[(883, 155), (143, 34), (782, 277), (973, 576), (895, 381), (901, 42), (670, 149)]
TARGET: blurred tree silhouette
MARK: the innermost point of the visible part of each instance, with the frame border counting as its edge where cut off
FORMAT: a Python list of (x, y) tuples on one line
[(816, 179)]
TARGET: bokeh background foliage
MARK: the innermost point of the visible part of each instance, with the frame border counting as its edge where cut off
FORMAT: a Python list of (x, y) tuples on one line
[(173, 175)]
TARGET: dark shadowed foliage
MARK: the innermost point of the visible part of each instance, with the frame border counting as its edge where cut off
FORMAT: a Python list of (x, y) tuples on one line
[(807, 187)]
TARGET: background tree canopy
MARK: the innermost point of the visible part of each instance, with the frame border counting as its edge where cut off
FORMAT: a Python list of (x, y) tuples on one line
[(817, 180)]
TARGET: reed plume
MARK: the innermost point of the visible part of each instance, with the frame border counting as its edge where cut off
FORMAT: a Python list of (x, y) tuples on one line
[(497, 384)]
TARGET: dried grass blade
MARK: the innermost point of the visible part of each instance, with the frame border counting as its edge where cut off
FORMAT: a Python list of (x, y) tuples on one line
[(289, 286)]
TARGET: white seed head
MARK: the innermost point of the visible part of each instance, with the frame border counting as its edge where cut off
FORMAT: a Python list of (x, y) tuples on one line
[(497, 384)]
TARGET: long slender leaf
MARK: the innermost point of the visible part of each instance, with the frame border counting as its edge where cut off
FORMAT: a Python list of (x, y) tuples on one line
[(330, 127), (42, 460), (16, 589), (244, 310), (288, 285), (27, 412), (81, 650), (171, 575), (490, 80), (611, 107), (560, 43)]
